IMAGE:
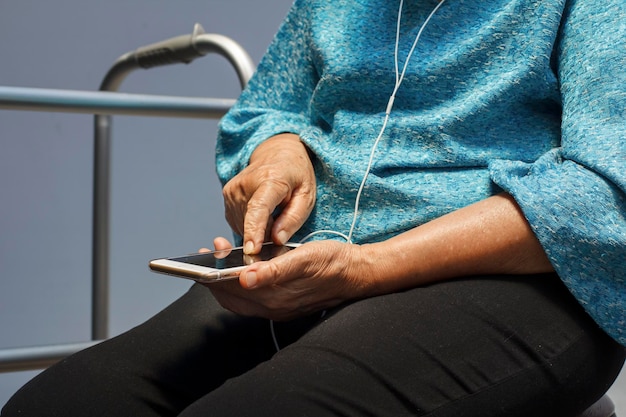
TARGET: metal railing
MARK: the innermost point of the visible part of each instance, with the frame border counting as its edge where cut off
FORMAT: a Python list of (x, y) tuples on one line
[(110, 103), (103, 104)]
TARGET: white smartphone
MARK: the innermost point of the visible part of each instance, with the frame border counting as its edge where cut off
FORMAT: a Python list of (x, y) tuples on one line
[(220, 265)]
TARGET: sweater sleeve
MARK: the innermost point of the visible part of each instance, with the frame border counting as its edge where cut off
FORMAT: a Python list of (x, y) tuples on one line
[(276, 99), (574, 196)]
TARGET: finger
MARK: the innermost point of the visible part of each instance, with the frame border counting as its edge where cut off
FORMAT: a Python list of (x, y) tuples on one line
[(221, 243), (235, 201), (292, 217), (259, 213), (234, 216), (222, 247)]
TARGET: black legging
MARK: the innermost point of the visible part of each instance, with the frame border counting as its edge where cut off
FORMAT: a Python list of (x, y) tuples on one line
[(493, 346)]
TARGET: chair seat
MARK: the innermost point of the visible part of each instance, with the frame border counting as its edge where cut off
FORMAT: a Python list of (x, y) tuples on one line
[(604, 407)]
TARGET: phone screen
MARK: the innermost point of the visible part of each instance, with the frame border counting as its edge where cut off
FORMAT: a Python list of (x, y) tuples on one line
[(233, 257)]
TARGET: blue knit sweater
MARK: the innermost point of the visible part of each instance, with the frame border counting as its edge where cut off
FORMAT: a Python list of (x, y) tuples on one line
[(526, 96)]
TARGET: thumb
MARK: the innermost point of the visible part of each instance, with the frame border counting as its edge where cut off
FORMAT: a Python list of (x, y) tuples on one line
[(254, 277), (266, 273)]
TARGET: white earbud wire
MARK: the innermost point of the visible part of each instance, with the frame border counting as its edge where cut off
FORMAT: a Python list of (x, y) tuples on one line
[(399, 79)]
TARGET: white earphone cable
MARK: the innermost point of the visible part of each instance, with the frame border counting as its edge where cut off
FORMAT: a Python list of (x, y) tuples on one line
[(399, 79)]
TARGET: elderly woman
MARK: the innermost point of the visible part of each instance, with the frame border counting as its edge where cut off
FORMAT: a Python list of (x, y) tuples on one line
[(457, 171)]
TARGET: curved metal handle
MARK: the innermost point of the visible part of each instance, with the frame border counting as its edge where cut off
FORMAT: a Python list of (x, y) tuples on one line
[(229, 49), (181, 49), (170, 51)]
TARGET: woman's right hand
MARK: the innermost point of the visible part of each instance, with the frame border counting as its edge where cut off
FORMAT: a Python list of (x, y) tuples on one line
[(280, 175)]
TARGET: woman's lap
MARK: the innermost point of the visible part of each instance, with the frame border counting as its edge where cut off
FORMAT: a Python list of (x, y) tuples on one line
[(474, 347)]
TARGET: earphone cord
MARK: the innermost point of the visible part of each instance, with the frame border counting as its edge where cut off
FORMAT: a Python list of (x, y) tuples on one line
[(399, 79)]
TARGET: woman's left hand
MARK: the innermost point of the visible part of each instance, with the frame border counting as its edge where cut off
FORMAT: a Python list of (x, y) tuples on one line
[(491, 236), (313, 277)]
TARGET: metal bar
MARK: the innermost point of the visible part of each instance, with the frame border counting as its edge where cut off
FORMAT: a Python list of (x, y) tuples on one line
[(38, 357), (179, 49), (105, 102), (100, 228)]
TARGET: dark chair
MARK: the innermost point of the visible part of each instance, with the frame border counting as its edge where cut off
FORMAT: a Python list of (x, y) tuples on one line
[(604, 407)]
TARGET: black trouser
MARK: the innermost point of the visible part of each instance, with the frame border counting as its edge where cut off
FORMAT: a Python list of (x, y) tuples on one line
[(494, 346)]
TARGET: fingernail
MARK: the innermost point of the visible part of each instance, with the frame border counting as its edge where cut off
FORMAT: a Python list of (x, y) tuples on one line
[(282, 236), (249, 247), (251, 279)]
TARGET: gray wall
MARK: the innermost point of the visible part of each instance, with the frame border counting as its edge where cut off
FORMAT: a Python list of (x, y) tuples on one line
[(165, 194)]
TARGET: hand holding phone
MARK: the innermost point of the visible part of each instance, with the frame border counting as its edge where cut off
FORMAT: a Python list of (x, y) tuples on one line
[(219, 265)]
